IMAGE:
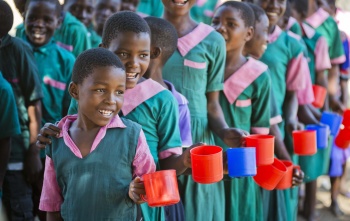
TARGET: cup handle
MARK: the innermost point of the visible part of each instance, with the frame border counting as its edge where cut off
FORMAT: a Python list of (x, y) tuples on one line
[(144, 198)]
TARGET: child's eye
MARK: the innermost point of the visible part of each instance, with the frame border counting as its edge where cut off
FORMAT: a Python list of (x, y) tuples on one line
[(120, 92), (143, 55), (230, 24), (122, 54), (99, 90)]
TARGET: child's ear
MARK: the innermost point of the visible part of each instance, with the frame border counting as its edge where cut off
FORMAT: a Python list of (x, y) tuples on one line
[(73, 90), (155, 52), (250, 33)]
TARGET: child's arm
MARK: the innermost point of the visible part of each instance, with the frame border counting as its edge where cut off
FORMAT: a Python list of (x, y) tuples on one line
[(136, 189), (47, 131), (53, 216), (280, 148)]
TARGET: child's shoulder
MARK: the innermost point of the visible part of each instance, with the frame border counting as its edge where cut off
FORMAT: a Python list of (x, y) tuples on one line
[(64, 53), (129, 123), (72, 23)]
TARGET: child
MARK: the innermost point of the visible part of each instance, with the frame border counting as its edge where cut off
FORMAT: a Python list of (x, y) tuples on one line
[(197, 70), (163, 44), (131, 5), (83, 157), (203, 11), (243, 100), (103, 10), (18, 67)]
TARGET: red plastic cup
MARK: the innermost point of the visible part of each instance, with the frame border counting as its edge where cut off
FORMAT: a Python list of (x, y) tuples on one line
[(287, 181), (269, 176), (346, 118), (264, 146), (342, 140), (320, 94), (207, 166), (161, 188), (304, 142)]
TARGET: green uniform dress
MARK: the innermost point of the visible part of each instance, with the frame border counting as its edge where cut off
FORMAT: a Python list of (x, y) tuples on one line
[(95, 39), (203, 10), (156, 110), (287, 64), (245, 104), (150, 8), (196, 68), (318, 59), (294, 26)]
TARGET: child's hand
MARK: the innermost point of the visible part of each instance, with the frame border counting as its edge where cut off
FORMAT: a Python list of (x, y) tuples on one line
[(48, 130), (233, 137), (225, 162), (294, 125), (298, 177), (136, 189), (186, 155)]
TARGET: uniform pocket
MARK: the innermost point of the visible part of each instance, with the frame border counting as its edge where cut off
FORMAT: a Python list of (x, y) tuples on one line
[(243, 111), (194, 75)]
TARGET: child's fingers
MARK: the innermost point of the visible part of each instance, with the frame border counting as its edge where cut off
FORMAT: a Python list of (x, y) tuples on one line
[(43, 140), (50, 130)]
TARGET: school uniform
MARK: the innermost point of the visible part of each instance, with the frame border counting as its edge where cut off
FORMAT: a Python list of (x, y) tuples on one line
[(203, 10), (288, 68), (196, 68), (294, 26), (95, 39), (150, 8), (245, 102), (74, 184), (18, 67)]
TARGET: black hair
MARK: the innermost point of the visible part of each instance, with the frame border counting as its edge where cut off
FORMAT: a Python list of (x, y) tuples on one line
[(246, 12), (124, 21), (258, 12), (57, 4), (6, 18), (90, 59), (163, 35), (301, 6)]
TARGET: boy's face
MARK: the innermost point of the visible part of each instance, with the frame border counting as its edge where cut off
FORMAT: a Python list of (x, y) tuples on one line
[(274, 9), (129, 5), (104, 9), (40, 22), (258, 44), (81, 9), (134, 51), (229, 23), (100, 96), (178, 7)]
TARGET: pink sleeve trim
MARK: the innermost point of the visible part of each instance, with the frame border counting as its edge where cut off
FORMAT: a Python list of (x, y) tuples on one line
[(143, 162), (291, 22), (260, 130), (322, 61), (172, 151), (306, 95), (297, 70), (51, 198), (200, 3), (339, 60), (243, 103), (54, 83), (208, 13), (276, 120), (67, 47), (196, 65)]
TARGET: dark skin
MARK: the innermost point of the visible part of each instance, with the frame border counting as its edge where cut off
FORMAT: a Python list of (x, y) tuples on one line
[(129, 5), (5, 147), (103, 10), (81, 9)]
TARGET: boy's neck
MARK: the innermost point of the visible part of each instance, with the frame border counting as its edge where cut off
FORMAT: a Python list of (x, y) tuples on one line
[(155, 73), (234, 60), (183, 24), (313, 7)]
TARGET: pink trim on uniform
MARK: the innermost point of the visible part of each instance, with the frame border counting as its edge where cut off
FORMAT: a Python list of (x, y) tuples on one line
[(317, 18), (54, 83), (242, 78), (291, 22), (193, 64), (293, 35), (338, 60), (139, 94), (276, 120), (275, 34), (306, 95), (67, 47), (51, 197), (192, 39), (142, 15), (172, 151), (309, 31), (322, 61), (208, 13), (297, 70), (13, 80), (200, 3), (260, 130), (243, 103)]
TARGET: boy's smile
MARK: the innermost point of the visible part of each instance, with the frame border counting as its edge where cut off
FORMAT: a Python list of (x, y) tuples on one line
[(258, 44), (274, 9), (178, 7)]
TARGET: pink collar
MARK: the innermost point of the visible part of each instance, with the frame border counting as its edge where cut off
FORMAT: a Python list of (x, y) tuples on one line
[(242, 78), (139, 94), (192, 39), (275, 34), (317, 18), (309, 31), (291, 22)]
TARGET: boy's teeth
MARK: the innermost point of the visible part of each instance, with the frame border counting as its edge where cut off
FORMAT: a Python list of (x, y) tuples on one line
[(180, 2), (106, 112), (131, 75)]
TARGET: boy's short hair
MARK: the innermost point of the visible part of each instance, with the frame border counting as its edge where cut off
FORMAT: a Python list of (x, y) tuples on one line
[(246, 12), (57, 4), (124, 21), (90, 59), (258, 12), (163, 35), (6, 18)]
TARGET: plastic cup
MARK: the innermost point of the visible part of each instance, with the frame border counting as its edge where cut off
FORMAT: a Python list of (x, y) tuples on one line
[(287, 181), (346, 118), (161, 188), (207, 166), (269, 176), (241, 162), (342, 140), (264, 147), (304, 142), (320, 94), (321, 134), (333, 120)]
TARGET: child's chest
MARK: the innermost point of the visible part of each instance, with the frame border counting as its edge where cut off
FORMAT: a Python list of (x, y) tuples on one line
[(83, 140)]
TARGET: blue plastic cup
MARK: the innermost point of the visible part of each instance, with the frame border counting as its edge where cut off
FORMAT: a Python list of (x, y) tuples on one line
[(321, 134), (241, 162), (333, 120)]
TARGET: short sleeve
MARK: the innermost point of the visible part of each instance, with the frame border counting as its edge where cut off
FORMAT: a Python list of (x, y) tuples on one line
[(336, 51), (143, 162), (216, 66), (306, 95), (185, 125), (345, 66), (73, 107), (296, 71), (80, 40), (322, 61)]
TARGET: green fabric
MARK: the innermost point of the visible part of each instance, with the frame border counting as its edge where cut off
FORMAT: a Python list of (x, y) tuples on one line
[(274, 110), (20, 31), (95, 39), (201, 202), (274, 207), (329, 30), (296, 29), (150, 8), (204, 12), (92, 187), (18, 67), (9, 123)]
